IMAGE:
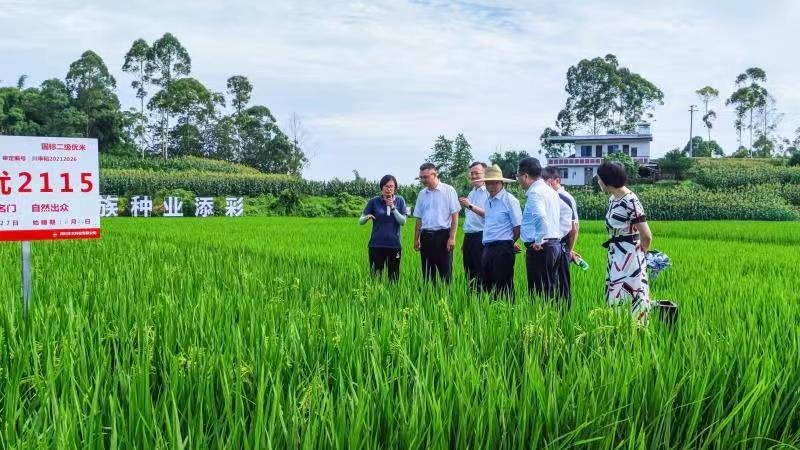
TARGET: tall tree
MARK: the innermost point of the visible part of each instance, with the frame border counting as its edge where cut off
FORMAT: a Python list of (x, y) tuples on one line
[(748, 96), (92, 87), (708, 94), (768, 117), (508, 161), (462, 158), (763, 147), (591, 88), (167, 60), (135, 64), (552, 150), (601, 94), (703, 148), (194, 105), (136, 61), (265, 146), (240, 90), (59, 116), (441, 155), (636, 97), (299, 136)]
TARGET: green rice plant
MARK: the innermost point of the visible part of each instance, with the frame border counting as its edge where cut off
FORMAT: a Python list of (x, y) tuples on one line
[(269, 333)]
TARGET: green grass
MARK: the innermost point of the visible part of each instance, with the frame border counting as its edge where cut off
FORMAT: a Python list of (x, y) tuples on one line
[(268, 333)]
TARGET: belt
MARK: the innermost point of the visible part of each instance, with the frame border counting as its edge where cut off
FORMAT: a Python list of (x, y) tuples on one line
[(443, 230), (546, 241), (497, 243), (474, 233), (630, 239)]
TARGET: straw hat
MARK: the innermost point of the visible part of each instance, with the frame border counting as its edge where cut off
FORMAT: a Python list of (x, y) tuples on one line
[(493, 173)]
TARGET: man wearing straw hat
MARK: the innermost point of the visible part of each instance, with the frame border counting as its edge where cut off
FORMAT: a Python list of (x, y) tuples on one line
[(501, 229)]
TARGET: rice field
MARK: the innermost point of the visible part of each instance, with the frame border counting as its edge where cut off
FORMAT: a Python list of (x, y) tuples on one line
[(268, 333)]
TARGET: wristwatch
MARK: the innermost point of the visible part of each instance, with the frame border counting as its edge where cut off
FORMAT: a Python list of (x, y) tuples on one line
[(470, 206)]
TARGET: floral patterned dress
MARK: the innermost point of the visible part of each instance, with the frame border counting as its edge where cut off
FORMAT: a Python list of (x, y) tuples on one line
[(626, 278)]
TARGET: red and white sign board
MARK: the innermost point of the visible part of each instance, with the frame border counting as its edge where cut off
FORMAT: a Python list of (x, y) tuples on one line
[(49, 188)]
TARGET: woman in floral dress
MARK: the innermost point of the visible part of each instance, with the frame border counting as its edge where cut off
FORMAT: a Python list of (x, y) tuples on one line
[(630, 237)]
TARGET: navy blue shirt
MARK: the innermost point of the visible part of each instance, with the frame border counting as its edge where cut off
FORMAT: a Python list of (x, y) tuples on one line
[(385, 229)]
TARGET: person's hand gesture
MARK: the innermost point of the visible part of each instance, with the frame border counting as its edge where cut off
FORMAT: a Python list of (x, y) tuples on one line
[(464, 202), (370, 217)]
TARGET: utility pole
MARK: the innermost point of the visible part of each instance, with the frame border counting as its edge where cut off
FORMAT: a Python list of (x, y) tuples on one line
[(692, 110)]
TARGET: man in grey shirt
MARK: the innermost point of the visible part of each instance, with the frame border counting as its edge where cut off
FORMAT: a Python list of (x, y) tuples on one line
[(436, 211), (475, 202)]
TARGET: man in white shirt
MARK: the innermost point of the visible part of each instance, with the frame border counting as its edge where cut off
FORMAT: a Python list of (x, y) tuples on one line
[(475, 202), (568, 229), (436, 210), (540, 231), (503, 218)]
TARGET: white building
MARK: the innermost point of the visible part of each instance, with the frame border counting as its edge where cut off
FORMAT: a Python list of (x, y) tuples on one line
[(581, 166)]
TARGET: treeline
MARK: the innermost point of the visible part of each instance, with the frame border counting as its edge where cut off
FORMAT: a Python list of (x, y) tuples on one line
[(605, 97), (176, 115)]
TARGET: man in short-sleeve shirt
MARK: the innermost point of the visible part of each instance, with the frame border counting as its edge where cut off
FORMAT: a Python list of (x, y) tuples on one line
[(503, 219), (475, 203), (436, 211)]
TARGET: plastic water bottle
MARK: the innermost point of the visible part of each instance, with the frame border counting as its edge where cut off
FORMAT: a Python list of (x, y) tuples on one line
[(582, 264)]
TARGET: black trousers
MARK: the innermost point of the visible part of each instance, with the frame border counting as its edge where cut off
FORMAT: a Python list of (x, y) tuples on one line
[(380, 258), (565, 279), (543, 268), (472, 252), (497, 269), (436, 259)]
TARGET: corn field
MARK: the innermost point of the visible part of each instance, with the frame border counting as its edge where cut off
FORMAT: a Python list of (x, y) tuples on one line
[(269, 333)]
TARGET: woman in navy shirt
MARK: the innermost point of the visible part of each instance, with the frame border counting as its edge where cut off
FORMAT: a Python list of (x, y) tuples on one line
[(387, 213)]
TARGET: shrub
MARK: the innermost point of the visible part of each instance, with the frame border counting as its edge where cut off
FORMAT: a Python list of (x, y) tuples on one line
[(692, 202), (216, 184), (734, 173), (182, 163), (794, 160)]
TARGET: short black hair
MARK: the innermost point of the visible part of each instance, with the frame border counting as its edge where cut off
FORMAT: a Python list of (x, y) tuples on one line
[(478, 163), (612, 174), (427, 166), (386, 179), (529, 166), (551, 173)]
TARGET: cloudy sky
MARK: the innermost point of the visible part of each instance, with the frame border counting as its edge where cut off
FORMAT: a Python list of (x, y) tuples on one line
[(375, 82)]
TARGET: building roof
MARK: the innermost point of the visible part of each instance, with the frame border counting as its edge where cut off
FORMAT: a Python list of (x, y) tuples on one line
[(601, 138)]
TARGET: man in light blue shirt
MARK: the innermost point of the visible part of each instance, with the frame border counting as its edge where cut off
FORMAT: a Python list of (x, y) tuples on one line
[(503, 218), (436, 210), (540, 231), (475, 202)]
